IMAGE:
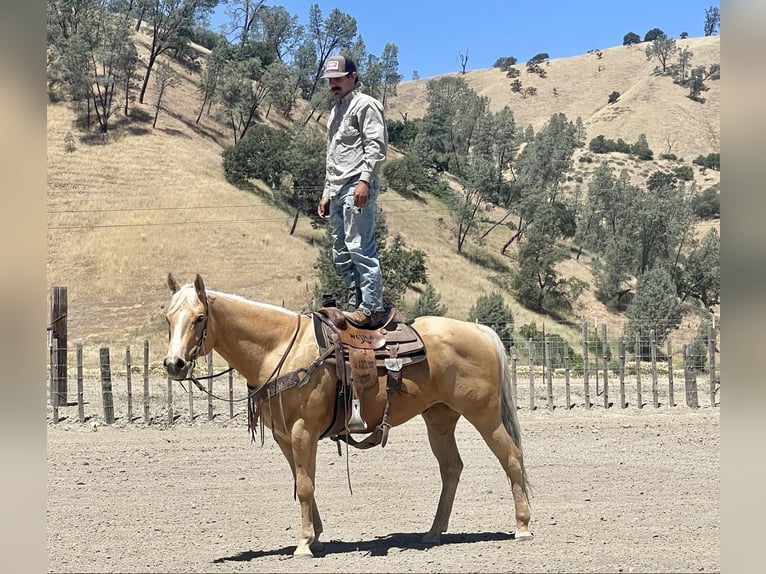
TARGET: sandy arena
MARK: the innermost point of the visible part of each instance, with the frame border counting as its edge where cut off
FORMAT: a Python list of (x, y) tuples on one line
[(623, 490)]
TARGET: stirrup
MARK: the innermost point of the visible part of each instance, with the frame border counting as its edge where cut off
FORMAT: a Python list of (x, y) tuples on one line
[(355, 421)]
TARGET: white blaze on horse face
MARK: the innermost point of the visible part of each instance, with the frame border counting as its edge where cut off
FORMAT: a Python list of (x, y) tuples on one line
[(182, 316), (178, 347)]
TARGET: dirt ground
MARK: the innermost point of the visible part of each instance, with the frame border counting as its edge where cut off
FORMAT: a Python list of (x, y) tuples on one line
[(623, 490)]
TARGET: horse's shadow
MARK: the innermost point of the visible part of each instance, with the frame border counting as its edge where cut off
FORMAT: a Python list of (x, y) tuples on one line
[(378, 546)]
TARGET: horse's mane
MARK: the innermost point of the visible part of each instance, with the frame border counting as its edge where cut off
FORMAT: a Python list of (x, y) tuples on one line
[(188, 293)]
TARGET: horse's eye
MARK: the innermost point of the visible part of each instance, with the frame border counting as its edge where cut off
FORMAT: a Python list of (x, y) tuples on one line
[(199, 319)]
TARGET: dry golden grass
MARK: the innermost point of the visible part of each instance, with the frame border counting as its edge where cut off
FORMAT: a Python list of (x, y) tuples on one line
[(648, 103), (123, 214)]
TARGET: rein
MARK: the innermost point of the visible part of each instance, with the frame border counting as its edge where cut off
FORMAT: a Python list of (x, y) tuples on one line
[(251, 392), (196, 382)]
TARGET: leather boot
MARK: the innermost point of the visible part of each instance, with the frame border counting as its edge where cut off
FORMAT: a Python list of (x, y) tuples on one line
[(363, 318)]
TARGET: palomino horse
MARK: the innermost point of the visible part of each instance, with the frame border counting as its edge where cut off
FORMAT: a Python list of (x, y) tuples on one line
[(464, 374)]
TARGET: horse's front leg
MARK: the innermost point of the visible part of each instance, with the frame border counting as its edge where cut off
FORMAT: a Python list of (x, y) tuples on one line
[(304, 450), (287, 450)]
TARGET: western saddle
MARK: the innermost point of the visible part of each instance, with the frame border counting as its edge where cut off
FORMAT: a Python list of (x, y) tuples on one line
[(358, 353)]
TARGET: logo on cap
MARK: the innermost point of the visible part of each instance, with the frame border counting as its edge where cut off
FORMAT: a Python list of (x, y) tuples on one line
[(332, 66)]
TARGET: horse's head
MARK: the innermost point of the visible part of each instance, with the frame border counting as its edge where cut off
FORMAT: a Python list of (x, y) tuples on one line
[(187, 317)]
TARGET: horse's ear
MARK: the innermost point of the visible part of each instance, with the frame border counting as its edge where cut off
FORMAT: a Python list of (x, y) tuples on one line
[(172, 283), (199, 285)]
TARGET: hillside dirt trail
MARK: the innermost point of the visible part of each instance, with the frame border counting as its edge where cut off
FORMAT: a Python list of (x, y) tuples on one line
[(624, 490)]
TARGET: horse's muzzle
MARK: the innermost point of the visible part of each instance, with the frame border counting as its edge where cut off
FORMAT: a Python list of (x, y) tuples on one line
[(176, 367)]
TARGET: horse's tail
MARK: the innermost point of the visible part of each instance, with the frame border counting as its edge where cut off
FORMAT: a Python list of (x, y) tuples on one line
[(507, 404)]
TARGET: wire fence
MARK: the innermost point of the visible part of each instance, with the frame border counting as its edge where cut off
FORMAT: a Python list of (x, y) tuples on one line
[(128, 388)]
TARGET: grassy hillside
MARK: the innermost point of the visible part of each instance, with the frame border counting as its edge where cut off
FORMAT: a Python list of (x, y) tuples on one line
[(125, 211), (579, 86)]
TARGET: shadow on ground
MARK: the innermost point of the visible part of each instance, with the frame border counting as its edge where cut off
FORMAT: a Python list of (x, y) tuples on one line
[(379, 546)]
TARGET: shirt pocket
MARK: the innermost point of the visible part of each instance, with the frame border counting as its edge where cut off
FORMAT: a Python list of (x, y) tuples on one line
[(349, 130)]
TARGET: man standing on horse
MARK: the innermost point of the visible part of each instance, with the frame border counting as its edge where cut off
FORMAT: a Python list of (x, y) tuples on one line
[(357, 142)]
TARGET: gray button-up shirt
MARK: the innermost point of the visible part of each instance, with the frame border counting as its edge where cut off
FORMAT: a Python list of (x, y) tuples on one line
[(357, 141)]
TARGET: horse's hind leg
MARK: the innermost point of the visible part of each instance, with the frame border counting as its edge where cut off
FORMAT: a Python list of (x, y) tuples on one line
[(510, 457), (440, 422)]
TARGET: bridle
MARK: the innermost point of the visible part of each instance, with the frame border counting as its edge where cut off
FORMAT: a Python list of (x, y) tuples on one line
[(201, 340), (198, 350), (196, 353)]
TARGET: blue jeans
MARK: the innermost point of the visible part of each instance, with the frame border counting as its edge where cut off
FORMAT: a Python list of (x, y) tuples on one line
[(354, 249)]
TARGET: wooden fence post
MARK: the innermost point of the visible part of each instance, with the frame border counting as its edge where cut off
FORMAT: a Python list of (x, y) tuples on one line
[(585, 366), (671, 395), (210, 386), (531, 376), (604, 349), (713, 374), (566, 376), (80, 397), (621, 367), (128, 366), (170, 401), (548, 374), (597, 370), (146, 383), (690, 378), (190, 394), (231, 394), (52, 368), (106, 385), (58, 328), (653, 354), (639, 394), (514, 359), (54, 398)]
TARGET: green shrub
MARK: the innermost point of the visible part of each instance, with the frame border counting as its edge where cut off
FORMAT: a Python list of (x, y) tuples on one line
[(260, 154), (684, 173), (712, 161), (707, 205), (558, 347), (492, 311), (699, 347), (599, 144), (505, 63)]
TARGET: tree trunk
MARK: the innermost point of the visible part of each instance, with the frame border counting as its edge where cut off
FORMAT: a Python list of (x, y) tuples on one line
[(127, 94), (495, 225), (157, 111), (295, 221), (513, 238), (201, 109), (152, 58)]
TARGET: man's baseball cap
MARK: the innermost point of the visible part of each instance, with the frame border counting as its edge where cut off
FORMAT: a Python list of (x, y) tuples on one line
[(338, 66)]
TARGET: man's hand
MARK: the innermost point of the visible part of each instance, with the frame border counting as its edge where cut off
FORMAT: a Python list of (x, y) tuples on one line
[(361, 193), (323, 209)]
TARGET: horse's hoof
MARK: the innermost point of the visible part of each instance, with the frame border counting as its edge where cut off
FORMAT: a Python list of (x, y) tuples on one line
[(522, 536), (303, 552), (317, 546)]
